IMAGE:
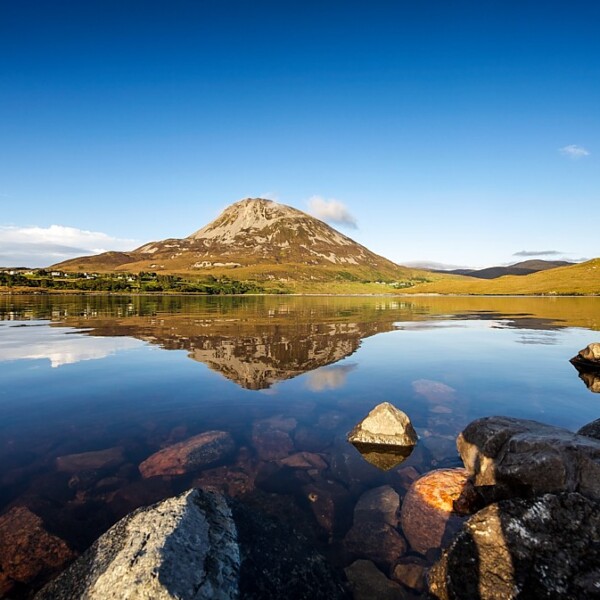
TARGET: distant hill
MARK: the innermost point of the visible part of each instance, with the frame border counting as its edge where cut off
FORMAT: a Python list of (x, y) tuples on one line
[(581, 278), (525, 267), (258, 239)]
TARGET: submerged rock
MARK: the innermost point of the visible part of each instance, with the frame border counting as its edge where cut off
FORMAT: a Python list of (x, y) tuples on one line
[(367, 582), (91, 461), (190, 455), (373, 534), (544, 548), (198, 545), (519, 458), (410, 572), (591, 430), (27, 551), (429, 511), (385, 424)]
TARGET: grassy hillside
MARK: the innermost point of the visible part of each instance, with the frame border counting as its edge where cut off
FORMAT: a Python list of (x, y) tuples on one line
[(583, 278)]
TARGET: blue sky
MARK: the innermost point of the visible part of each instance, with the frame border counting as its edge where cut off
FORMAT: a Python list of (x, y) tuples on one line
[(452, 132)]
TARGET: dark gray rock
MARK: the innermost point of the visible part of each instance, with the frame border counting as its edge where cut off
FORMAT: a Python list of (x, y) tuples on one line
[(519, 458), (591, 430), (198, 545), (542, 548), (376, 541)]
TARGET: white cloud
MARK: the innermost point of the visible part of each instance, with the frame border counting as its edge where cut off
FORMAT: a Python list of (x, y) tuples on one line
[(331, 210), (43, 246), (574, 151)]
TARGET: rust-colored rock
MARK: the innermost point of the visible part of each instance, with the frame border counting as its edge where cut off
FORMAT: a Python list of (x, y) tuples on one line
[(27, 551), (190, 455), (429, 517), (304, 460)]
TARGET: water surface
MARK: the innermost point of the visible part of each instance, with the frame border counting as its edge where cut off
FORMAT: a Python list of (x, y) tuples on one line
[(82, 374)]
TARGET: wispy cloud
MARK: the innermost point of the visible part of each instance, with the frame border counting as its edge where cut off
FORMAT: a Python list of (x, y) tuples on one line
[(331, 210), (574, 151), (538, 253), (43, 246), (270, 196)]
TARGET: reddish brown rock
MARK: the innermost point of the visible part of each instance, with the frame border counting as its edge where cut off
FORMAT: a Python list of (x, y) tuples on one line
[(270, 437), (429, 519), (27, 551), (304, 460), (90, 461), (190, 455)]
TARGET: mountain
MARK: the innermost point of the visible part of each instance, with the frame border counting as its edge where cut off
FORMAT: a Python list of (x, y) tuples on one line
[(255, 239), (578, 279), (525, 267)]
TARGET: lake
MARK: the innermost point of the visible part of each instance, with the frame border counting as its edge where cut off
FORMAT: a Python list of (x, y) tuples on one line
[(282, 375)]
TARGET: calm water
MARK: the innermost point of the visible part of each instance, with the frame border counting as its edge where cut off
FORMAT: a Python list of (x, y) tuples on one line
[(91, 373)]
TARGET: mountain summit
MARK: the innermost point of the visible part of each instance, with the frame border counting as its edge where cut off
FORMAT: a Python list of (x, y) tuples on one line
[(253, 239)]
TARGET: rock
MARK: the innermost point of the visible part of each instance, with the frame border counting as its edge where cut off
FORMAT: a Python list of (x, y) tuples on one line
[(367, 582), (544, 548), (190, 455), (515, 457), (385, 424), (198, 545), (410, 572), (591, 430), (28, 553), (381, 504), (330, 504), (183, 547), (373, 534), (271, 439), (428, 517), (91, 461), (304, 460), (376, 541), (591, 353)]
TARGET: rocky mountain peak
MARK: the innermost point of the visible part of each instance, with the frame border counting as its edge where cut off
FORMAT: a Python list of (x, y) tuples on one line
[(250, 214)]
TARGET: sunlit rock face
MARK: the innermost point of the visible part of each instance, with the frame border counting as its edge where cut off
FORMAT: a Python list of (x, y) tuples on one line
[(544, 547), (385, 425), (429, 511)]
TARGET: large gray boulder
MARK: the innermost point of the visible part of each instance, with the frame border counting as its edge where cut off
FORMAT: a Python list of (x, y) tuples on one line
[(183, 547), (510, 457), (199, 545), (542, 548), (591, 429)]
